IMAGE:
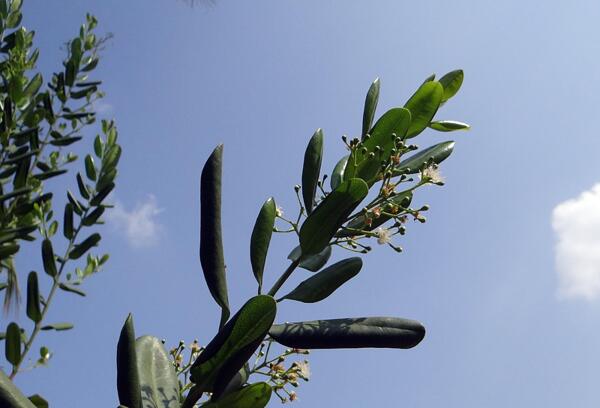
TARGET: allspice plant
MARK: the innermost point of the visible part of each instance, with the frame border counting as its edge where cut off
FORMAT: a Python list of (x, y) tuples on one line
[(369, 200)]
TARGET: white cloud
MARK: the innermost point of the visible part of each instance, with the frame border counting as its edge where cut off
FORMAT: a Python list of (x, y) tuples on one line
[(138, 225), (576, 223)]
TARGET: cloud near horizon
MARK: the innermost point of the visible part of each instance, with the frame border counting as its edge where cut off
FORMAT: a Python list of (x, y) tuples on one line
[(576, 224), (139, 225)]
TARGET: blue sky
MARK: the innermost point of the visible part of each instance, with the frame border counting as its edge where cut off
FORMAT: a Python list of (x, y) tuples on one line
[(509, 301)]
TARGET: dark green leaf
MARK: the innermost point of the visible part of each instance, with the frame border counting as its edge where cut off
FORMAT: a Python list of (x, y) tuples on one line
[(423, 105), (253, 396), (72, 289), (8, 250), (12, 346), (68, 221), (261, 238), (322, 224), (324, 283), (92, 217), (10, 396), (33, 86), (48, 258), (158, 380), (362, 332), (82, 248), (111, 158), (33, 298), (235, 343), (102, 194), (65, 141), (83, 190), (15, 193), (312, 262), (77, 206), (128, 378), (58, 326), (311, 169), (448, 126), (370, 106), (451, 82), (437, 154), (337, 175), (211, 241), (49, 174), (38, 401), (90, 168)]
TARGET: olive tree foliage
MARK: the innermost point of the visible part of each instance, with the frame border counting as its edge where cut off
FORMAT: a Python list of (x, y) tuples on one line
[(43, 120)]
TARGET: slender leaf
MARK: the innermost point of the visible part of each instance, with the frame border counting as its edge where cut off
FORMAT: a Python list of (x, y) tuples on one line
[(362, 332), (436, 154), (80, 249), (48, 258), (328, 217), (211, 241), (68, 230), (58, 326), (8, 250), (423, 105), (38, 401), (337, 175), (33, 298), (451, 82), (448, 126), (128, 378), (12, 346), (312, 169), (261, 238), (370, 106), (324, 283), (72, 289)]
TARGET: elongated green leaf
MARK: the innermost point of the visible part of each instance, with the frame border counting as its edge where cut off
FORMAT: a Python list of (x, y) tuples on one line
[(361, 332), (15, 193), (324, 283), (448, 126), (65, 141), (104, 190), (312, 262), (58, 326), (12, 346), (211, 241), (10, 396), (231, 348), (158, 380), (261, 238), (34, 85), (328, 217), (128, 378), (253, 396), (436, 153), (451, 82), (8, 250), (370, 106), (68, 230), (423, 105), (71, 289), (366, 165), (83, 190), (33, 298), (337, 175), (80, 249), (312, 169), (48, 258), (90, 168)]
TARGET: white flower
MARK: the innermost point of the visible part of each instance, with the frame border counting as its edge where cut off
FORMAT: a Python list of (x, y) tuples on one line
[(383, 235), (303, 369), (279, 211), (432, 174)]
